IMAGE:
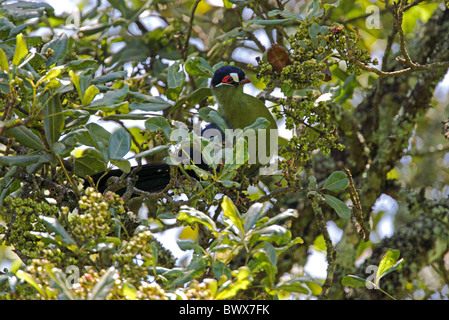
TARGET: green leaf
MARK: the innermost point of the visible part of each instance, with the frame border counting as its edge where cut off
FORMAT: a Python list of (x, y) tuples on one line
[(231, 212), (388, 264), (153, 104), (104, 286), (353, 281), (98, 135), (119, 144), (150, 152), (185, 245), (89, 163), (337, 181), (293, 286), (61, 281), (21, 50), (175, 77), (111, 76), (198, 95), (90, 94), (273, 233), (28, 278), (4, 65), (314, 30), (191, 216), (23, 10), (20, 161), (260, 123), (59, 46), (156, 123), (270, 252), (265, 22), (285, 14), (339, 206), (314, 9), (230, 288), (227, 183), (199, 67), (111, 100), (210, 115), (53, 118), (50, 75), (26, 137), (129, 291), (289, 213), (53, 224), (123, 165), (252, 216)]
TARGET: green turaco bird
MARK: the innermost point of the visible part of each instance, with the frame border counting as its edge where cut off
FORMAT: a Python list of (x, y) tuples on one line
[(237, 108)]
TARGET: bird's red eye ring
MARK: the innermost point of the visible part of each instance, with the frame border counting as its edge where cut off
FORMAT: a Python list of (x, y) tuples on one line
[(227, 79)]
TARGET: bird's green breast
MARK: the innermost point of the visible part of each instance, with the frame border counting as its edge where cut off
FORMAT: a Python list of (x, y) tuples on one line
[(240, 109)]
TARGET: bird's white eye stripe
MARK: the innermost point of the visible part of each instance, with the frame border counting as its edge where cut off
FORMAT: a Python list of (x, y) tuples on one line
[(235, 76)]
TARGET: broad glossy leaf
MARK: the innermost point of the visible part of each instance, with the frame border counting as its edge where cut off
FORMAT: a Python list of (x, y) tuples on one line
[(152, 104), (53, 118), (111, 98), (212, 116), (265, 22), (339, 206), (4, 65), (104, 286), (52, 224), (20, 161), (185, 245), (289, 213), (270, 252), (285, 14), (293, 286), (199, 67), (90, 94), (123, 165), (60, 279), (353, 281), (150, 151), (50, 75), (89, 163), (231, 212), (388, 263), (21, 50), (119, 144), (191, 216), (156, 123), (26, 137), (252, 215), (96, 135), (111, 76), (28, 278), (175, 78), (337, 181), (23, 10), (59, 44)]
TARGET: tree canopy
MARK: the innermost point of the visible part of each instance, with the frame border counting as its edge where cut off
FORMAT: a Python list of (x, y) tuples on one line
[(357, 88)]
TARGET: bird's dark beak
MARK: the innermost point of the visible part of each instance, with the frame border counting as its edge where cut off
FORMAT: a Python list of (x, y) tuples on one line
[(246, 80)]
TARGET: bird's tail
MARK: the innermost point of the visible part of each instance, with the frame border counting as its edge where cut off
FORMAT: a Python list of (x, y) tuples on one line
[(152, 177)]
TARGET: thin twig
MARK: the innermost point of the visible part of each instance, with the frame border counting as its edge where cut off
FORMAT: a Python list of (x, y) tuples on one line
[(357, 210), (315, 199), (189, 31)]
